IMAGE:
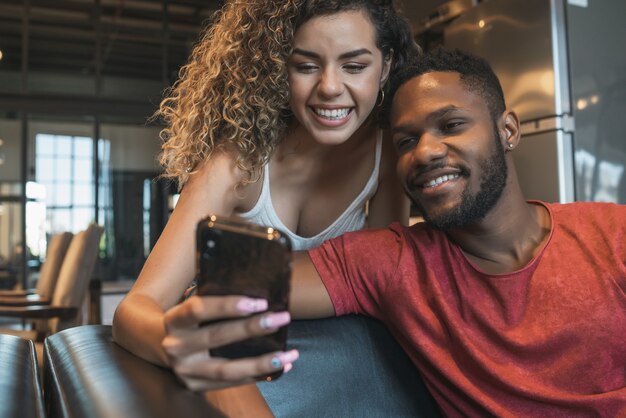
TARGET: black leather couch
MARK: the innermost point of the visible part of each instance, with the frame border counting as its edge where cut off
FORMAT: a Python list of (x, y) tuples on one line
[(86, 374), (20, 387)]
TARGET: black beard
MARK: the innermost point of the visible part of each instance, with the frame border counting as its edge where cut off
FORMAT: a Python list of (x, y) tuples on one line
[(474, 208)]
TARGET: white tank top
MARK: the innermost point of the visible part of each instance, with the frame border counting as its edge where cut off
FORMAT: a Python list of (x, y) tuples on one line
[(352, 219)]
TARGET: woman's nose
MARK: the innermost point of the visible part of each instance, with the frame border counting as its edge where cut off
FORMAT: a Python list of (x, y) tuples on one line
[(331, 84)]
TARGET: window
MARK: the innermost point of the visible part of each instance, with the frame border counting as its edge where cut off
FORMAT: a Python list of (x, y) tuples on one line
[(64, 167)]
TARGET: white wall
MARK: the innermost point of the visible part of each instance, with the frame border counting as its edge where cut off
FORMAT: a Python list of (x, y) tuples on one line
[(133, 148), (10, 131)]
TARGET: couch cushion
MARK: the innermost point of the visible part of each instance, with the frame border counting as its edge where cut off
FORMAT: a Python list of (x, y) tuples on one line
[(349, 367)]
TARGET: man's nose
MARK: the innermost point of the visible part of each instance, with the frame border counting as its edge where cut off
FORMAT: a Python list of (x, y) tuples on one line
[(429, 147)]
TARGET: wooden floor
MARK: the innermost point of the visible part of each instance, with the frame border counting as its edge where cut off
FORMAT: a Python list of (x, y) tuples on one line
[(10, 323)]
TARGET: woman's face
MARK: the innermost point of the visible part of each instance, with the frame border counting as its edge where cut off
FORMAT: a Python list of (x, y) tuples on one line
[(335, 74)]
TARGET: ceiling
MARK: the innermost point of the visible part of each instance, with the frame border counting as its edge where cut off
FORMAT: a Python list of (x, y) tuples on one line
[(115, 37), (416, 10), (131, 38)]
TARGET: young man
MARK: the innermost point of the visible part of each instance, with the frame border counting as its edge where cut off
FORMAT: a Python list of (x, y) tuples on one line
[(507, 307)]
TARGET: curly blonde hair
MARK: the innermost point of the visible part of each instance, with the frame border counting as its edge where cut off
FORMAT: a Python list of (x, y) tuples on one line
[(234, 91)]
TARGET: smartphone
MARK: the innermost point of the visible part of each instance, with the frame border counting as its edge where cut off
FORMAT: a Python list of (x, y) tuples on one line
[(236, 257)]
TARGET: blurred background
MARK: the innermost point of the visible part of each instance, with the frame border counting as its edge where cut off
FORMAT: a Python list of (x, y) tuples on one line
[(79, 80)]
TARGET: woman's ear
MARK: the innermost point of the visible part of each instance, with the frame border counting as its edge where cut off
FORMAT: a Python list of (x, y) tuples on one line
[(387, 61)]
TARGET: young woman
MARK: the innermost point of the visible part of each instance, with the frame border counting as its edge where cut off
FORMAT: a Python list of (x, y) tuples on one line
[(274, 120)]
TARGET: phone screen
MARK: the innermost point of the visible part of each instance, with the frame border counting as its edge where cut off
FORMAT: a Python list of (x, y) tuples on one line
[(235, 257)]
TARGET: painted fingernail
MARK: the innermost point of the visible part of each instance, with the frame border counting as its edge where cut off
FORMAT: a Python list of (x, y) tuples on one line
[(275, 320), (284, 359), (248, 305), (287, 368), (276, 363)]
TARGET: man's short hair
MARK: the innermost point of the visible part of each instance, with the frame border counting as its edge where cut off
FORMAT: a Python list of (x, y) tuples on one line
[(476, 74)]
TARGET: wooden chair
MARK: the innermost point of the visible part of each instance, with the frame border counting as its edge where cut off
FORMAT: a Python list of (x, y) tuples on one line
[(64, 309), (48, 275)]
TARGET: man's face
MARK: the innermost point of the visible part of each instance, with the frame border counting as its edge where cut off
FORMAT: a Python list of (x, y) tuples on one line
[(451, 159)]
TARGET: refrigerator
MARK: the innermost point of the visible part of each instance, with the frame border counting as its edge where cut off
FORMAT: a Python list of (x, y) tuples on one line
[(562, 65)]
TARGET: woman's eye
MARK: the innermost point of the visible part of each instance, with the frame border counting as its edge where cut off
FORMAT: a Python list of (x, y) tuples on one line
[(306, 68), (354, 68)]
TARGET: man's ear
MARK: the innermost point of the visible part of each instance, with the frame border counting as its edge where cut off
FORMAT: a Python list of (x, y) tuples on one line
[(510, 131)]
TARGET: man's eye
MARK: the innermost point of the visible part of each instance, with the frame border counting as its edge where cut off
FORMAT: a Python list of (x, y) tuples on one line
[(406, 143), (451, 126)]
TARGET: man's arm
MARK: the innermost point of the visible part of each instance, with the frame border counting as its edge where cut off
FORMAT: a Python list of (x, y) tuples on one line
[(309, 297)]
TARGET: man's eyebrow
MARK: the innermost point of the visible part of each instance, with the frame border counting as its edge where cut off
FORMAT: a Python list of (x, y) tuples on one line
[(437, 114), (345, 55)]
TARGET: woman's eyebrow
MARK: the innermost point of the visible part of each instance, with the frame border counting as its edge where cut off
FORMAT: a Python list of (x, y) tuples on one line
[(345, 55)]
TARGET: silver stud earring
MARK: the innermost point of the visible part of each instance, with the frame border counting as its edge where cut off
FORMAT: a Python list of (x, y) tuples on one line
[(510, 146)]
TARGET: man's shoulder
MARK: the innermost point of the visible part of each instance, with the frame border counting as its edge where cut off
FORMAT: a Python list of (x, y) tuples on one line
[(420, 234), (587, 208), (374, 236), (590, 216), (394, 233)]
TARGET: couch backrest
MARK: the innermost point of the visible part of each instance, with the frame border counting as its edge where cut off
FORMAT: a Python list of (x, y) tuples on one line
[(20, 387), (86, 374)]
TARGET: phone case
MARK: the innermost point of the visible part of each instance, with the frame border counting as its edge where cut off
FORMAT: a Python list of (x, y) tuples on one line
[(235, 257)]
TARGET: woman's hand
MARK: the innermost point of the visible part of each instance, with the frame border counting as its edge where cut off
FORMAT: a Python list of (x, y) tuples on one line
[(187, 343)]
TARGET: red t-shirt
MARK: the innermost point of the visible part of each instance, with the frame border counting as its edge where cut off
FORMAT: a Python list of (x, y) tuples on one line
[(546, 340)]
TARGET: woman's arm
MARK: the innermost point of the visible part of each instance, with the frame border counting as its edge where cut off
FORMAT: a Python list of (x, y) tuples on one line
[(151, 324), (243, 401), (138, 323), (389, 203)]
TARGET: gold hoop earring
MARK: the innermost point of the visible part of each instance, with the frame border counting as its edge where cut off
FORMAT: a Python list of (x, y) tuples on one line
[(382, 97)]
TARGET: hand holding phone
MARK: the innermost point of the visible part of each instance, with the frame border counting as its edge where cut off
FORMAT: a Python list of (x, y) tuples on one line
[(235, 257)]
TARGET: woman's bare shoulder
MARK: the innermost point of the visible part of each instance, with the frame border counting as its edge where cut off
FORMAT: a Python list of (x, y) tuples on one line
[(220, 179)]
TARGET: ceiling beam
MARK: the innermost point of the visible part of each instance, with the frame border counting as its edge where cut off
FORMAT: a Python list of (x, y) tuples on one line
[(75, 105)]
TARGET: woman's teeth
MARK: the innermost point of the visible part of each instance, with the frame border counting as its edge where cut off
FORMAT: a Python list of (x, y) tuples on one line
[(333, 114), (440, 180)]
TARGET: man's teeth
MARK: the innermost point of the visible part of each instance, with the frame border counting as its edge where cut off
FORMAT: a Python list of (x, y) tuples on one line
[(333, 114), (440, 180)]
